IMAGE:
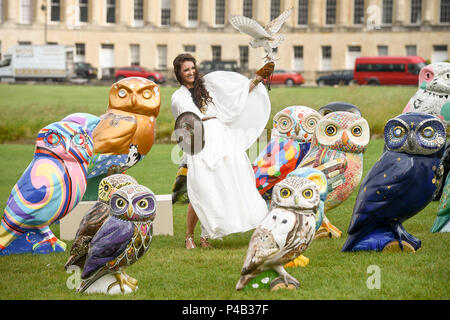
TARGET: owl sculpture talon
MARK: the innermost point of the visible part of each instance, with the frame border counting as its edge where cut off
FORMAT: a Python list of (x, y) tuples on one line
[(122, 280), (284, 282), (56, 244)]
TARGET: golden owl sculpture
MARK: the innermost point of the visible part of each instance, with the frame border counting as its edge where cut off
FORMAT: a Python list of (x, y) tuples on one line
[(130, 118)]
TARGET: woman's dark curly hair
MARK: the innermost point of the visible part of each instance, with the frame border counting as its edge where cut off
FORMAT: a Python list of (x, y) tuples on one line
[(200, 92)]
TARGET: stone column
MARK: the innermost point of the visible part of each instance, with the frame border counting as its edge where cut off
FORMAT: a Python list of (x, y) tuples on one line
[(206, 13), (343, 17), (399, 12), (314, 13), (429, 9), (179, 12)]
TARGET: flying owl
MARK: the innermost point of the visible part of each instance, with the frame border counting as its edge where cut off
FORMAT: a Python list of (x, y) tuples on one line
[(266, 37), (292, 133), (95, 217), (337, 150), (400, 184), (122, 239), (53, 183), (433, 95), (129, 123), (285, 232)]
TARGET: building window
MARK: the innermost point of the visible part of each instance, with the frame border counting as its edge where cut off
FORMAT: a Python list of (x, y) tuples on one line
[(138, 14), (84, 5), (110, 11), (216, 53), (383, 50), (165, 12), (326, 58), (330, 13), (189, 48), (358, 12), (445, 11), (26, 11), (135, 55), (80, 52), (55, 10), (416, 11), (220, 12), (353, 52), (107, 61), (193, 13), (274, 9), (243, 57), (302, 12), (387, 12), (248, 8), (162, 57), (440, 53), (298, 58), (411, 50)]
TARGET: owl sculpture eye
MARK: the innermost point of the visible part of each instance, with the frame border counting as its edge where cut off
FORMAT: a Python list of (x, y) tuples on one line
[(79, 140), (428, 132), (310, 123), (285, 193), (284, 123), (122, 93), (307, 194), (398, 132), (147, 94), (428, 75), (52, 139), (357, 131), (330, 130)]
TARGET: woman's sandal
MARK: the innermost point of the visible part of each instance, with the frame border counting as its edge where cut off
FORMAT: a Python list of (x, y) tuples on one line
[(204, 243), (189, 242)]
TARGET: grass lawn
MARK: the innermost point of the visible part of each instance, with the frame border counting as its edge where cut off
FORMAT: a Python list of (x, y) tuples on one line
[(168, 271), (25, 109)]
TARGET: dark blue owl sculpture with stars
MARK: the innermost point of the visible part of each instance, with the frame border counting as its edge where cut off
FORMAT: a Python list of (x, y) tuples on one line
[(400, 184)]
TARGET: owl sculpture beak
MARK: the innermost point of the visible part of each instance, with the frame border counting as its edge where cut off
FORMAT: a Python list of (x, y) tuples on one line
[(133, 99), (296, 200), (130, 211), (297, 129), (345, 138)]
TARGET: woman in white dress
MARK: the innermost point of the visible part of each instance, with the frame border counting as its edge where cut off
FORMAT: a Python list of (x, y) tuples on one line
[(220, 179)]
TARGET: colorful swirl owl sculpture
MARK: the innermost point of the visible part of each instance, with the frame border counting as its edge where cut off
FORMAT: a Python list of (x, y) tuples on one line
[(52, 185), (400, 184), (292, 133)]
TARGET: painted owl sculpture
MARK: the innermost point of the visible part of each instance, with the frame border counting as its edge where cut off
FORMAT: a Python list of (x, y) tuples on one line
[(122, 240), (400, 184), (284, 234), (337, 150), (95, 217), (292, 133), (51, 186), (433, 95), (441, 224)]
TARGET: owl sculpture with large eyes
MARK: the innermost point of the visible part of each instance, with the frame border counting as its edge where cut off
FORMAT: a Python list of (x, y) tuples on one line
[(122, 239), (130, 119), (433, 95), (292, 133), (95, 217), (285, 233), (337, 150), (400, 184)]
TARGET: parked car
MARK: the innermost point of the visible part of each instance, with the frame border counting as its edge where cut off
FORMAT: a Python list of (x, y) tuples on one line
[(207, 66), (387, 70), (336, 77), (280, 76), (142, 72), (85, 70)]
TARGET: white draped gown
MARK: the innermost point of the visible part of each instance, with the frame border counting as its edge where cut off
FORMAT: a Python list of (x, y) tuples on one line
[(220, 180)]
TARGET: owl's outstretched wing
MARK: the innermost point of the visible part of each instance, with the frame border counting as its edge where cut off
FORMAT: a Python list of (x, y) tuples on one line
[(114, 133), (89, 226), (262, 245), (249, 26), (280, 157), (275, 25), (109, 242)]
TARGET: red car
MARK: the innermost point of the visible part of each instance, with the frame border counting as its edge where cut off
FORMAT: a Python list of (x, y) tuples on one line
[(136, 71), (288, 78)]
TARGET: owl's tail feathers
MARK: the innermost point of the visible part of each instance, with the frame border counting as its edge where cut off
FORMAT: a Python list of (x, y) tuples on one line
[(6, 237), (75, 260), (244, 280), (440, 222), (87, 282)]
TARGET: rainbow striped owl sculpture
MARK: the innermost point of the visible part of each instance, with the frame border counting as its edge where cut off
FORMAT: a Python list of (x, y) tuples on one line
[(337, 150), (292, 133), (52, 185)]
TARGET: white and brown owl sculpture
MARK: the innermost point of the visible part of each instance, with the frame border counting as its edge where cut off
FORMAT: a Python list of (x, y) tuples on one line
[(130, 118), (285, 232)]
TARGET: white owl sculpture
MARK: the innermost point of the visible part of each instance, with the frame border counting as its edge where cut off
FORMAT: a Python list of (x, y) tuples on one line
[(266, 37), (285, 232)]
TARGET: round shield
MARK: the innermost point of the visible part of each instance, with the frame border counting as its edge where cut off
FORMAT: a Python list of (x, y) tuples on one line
[(189, 132)]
